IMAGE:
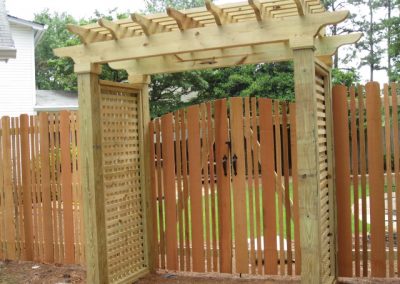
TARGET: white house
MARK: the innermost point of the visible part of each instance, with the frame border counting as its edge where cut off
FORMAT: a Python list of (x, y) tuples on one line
[(17, 76)]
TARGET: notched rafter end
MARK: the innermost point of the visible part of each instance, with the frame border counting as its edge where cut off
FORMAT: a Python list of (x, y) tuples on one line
[(114, 29), (256, 5), (183, 21), (148, 26)]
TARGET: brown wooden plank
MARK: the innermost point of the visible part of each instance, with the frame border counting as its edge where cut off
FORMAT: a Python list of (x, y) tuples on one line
[(53, 185), (376, 180), (178, 165), (9, 220), (396, 155), (75, 186), (66, 179), (160, 194), (45, 184), (363, 172), (389, 181), (185, 188), (206, 181), (223, 185), (250, 184), (32, 122), (288, 211), (267, 152), (256, 158), (354, 171), (58, 189), (18, 194), (342, 158), (15, 189), (239, 185), (154, 194), (2, 204), (296, 219), (171, 238), (213, 192), (26, 182), (195, 187), (278, 188)]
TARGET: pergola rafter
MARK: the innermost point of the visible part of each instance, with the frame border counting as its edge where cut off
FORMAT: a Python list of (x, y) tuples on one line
[(251, 32)]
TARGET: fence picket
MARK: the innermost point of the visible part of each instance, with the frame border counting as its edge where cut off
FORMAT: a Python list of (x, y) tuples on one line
[(389, 182), (26, 182), (376, 180), (196, 198), (67, 196), (267, 152)]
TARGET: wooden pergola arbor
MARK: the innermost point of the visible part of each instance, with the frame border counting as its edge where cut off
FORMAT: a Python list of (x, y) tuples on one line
[(114, 117)]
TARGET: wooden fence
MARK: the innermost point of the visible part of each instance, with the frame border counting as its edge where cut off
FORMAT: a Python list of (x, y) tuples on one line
[(40, 213), (367, 179), (223, 194)]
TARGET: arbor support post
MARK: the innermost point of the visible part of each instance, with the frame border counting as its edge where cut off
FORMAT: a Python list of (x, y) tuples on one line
[(142, 82), (91, 167), (313, 267)]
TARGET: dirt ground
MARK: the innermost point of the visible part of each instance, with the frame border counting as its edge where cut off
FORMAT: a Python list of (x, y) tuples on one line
[(33, 273)]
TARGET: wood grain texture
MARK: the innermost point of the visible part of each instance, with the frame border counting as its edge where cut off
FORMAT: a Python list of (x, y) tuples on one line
[(171, 238), (267, 153), (376, 180), (195, 187), (239, 185), (223, 183), (342, 158), (66, 178)]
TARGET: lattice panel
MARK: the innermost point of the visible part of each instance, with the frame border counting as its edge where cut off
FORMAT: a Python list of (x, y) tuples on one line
[(122, 182), (325, 224)]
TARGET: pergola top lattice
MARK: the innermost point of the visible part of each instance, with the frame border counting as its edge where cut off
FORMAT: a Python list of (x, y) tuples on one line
[(209, 15), (208, 37)]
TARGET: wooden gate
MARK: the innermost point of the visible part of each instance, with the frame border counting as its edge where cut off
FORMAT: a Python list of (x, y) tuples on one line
[(223, 185)]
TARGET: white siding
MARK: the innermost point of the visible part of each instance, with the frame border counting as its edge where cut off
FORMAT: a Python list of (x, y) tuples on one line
[(17, 77)]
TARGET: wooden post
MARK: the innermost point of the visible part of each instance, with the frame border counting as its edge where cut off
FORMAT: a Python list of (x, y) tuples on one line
[(308, 162), (143, 82), (92, 173)]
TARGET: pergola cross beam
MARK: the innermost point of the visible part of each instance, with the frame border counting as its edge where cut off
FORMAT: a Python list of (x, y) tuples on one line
[(183, 21), (325, 47)]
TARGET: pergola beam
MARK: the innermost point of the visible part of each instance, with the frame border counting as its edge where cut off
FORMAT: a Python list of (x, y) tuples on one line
[(148, 26), (183, 21), (275, 52), (205, 38), (86, 36), (115, 30), (220, 16), (300, 5), (257, 7)]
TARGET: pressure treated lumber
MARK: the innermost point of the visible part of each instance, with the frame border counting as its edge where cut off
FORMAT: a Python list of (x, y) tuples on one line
[(307, 163), (91, 162), (204, 38)]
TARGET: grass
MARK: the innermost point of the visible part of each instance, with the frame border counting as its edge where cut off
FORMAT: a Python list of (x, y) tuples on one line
[(261, 215)]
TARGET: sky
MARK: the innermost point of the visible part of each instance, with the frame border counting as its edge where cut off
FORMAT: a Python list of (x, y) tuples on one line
[(26, 9)]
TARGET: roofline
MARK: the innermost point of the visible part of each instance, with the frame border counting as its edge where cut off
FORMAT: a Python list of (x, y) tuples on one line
[(32, 24), (55, 108), (37, 27)]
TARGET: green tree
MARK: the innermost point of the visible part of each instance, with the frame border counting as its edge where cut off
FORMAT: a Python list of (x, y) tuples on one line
[(54, 73), (158, 6), (345, 77), (373, 31)]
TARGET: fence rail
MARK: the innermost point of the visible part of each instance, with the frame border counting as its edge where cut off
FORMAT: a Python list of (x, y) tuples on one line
[(40, 195)]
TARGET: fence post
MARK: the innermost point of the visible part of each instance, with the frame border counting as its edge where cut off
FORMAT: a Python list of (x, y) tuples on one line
[(91, 170), (26, 185), (376, 179), (342, 159)]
